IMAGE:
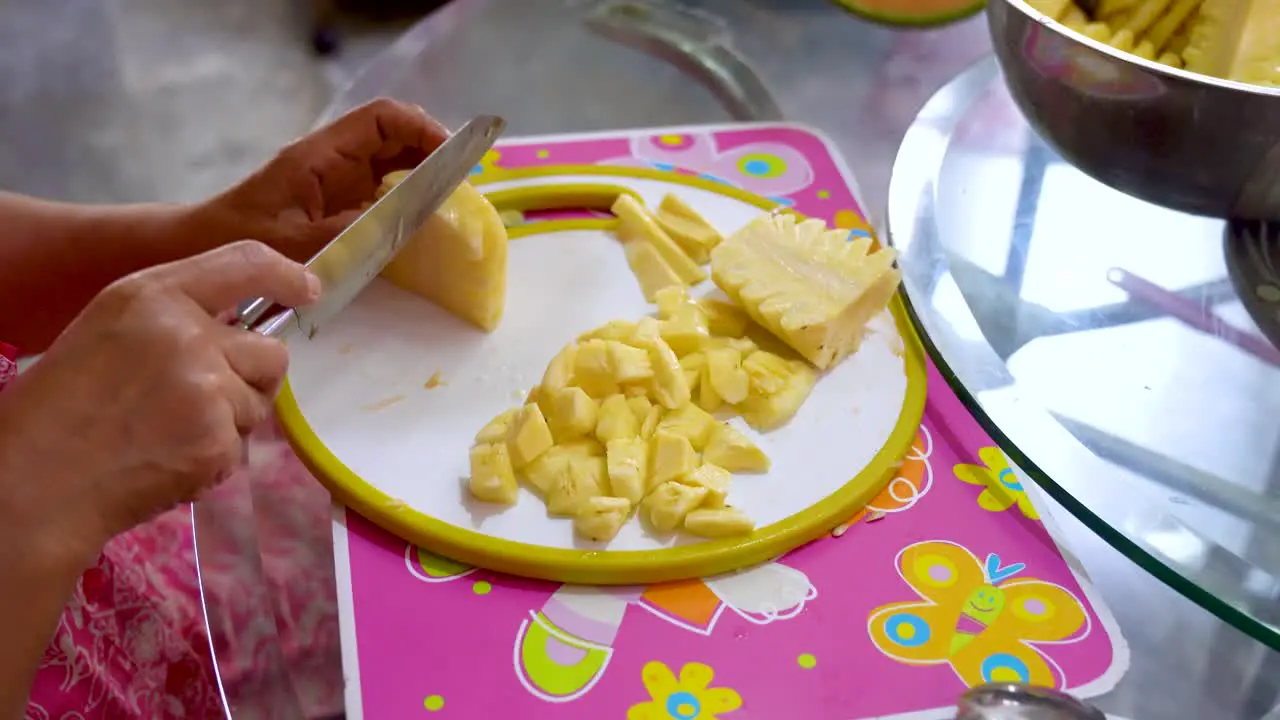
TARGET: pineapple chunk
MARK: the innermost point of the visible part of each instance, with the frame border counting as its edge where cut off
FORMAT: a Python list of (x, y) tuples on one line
[(689, 229), (559, 372), (718, 523), (726, 376), (627, 461), (732, 450), (712, 477), (769, 373), (548, 470), (651, 271), (592, 370), (498, 428), (690, 422), (708, 399), (685, 330), (616, 420), (600, 518), (724, 319), (670, 299), (669, 503), (573, 414), (810, 286), (457, 259), (743, 346), (612, 330), (492, 477), (636, 225), (529, 436), (670, 387), (650, 422), (585, 479), (673, 456), (640, 406), (636, 390), (773, 411), (582, 447), (629, 364)]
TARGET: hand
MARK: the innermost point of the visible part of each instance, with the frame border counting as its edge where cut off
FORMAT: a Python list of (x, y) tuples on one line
[(143, 401), (316, 186)]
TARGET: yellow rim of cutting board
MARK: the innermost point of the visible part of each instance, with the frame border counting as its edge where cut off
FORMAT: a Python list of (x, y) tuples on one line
[(620, 567)]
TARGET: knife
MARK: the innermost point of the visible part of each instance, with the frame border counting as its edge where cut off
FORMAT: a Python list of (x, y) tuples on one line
[(355, 257)]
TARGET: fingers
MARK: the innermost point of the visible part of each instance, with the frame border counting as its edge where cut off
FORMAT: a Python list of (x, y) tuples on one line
[(249, 407), (222, 278), (259, 361), (380, 129)]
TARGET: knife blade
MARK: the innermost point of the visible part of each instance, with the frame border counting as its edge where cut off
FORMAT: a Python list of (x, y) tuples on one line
[(358, 254)]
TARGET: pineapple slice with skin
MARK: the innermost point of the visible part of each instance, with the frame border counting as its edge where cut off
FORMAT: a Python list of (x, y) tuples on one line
[(627, 461), (573, 414), (718, 523), (712, 477), (457, 259), (529, 436), (498, 428), (690, 422), (586, 478), (600, 518), (726, 376), (635, 224), (729, 448), (771, 412), (673, 456), (492, 477), (670, 388), (691, 231), (616, 420), (809, 286), (669, 503)]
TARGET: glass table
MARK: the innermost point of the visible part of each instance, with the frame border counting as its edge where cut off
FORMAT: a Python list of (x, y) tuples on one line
[(1102, 342)]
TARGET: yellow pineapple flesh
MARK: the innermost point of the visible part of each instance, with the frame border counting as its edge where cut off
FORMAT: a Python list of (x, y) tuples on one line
[(809, 286)]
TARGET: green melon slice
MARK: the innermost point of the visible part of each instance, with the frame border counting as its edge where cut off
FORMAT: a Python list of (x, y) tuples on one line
[(915, 13)]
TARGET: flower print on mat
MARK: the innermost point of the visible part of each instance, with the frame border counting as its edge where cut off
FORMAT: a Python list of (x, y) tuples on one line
[(690, 697), (771, 169), (1003, 486), (985, 620), (912, 482), (564, 648)]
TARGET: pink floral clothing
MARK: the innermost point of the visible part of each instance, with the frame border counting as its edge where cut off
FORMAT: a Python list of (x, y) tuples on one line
[(132, 642)]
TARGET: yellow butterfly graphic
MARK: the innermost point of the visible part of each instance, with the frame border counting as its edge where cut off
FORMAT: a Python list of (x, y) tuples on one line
[(976, 617)]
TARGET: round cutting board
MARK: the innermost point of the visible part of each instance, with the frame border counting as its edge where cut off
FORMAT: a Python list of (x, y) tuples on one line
[(384, 402)]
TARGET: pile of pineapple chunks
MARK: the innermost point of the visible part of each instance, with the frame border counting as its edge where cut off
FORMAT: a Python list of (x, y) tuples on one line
[(622, 422)]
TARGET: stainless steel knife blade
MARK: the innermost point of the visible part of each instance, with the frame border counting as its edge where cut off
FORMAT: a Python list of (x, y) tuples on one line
[(355, 257)]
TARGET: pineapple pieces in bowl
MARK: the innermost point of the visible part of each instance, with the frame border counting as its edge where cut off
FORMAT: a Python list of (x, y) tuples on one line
[(630, 418)]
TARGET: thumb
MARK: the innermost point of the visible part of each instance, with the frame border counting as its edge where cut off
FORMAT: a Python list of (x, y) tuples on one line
[(222, 278)]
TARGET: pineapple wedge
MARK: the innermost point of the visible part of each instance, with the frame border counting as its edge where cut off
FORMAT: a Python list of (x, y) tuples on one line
[(573, 414), (724, 319), (810, 286), (628, 364), (670, 387), (690, 230), (498, 428), (651, 271), (712, 477), (529, 436), (600, 518), (690, 422), (718, 522), (673, 456), (584, 480), (636, 225), (593, 369), (770, 412), (730, 449), (726, 376), (492, 477), (457, 259)]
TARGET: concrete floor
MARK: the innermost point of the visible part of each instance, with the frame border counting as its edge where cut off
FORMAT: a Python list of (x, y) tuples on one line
[(135, 100)]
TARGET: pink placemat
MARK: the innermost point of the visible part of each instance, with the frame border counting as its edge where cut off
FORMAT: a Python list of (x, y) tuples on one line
[(949, 579)]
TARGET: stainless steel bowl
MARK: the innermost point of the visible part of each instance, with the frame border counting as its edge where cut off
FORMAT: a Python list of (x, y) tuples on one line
[(1178, 139)]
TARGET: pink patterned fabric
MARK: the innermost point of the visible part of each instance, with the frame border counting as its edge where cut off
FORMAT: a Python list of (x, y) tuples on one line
[(132, 643)]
